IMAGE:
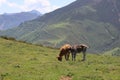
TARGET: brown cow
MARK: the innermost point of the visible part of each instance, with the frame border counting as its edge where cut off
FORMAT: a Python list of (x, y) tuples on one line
[(64, 51)]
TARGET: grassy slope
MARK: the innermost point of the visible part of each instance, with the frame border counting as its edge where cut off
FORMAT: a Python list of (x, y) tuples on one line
[(20, 61), (113, 52), (91, 25)]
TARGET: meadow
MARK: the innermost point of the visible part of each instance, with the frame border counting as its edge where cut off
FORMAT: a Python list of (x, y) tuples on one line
[(22, 61)]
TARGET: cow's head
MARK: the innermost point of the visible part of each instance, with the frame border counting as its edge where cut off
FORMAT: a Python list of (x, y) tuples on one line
[(59, 58)]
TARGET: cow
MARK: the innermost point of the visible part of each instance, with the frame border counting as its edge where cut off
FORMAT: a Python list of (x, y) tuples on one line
[(64, 51), (77, 49)]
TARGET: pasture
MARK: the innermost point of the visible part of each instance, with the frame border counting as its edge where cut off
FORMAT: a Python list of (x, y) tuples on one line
[(21, 61)]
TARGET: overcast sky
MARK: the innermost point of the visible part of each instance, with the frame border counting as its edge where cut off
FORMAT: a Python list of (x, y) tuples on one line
[(44, 6)]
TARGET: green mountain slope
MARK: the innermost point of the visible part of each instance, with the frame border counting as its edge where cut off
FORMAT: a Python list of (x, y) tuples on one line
[(83, 21), (21, 61)]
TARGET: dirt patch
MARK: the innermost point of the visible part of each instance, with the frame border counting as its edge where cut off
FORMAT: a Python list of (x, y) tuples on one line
[(65, 78)]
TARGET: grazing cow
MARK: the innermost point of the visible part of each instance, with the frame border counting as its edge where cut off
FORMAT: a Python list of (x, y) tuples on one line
[(77, 49), (64, 51)]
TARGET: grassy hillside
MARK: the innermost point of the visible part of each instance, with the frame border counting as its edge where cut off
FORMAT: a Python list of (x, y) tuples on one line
[(21, 61), (83, 21)]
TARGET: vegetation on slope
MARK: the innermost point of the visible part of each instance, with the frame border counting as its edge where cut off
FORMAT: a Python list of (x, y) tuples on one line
[(21, 61), (83, 21), (113, 52)]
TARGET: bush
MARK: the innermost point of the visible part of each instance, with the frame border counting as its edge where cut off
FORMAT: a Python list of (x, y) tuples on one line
[(8, 38)]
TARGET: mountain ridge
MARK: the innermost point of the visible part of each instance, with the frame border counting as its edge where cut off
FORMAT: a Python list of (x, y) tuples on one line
[(10, 20)]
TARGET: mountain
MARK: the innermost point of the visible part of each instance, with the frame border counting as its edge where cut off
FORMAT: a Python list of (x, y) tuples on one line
[(11, 20), (35, 12), (93, 22)]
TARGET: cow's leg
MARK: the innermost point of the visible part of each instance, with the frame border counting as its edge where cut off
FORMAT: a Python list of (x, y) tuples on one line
[(67, 56), (73, 56), (84, 54)]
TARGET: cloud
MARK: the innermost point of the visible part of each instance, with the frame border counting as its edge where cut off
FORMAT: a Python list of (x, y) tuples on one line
[(2, 1), (41, 2), (43, 6)]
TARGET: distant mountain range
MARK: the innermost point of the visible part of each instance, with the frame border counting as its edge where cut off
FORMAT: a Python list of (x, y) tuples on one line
[(93, 22), (10, 20)]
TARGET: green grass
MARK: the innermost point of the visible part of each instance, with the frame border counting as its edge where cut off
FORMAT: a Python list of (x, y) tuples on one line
[(21, 61)]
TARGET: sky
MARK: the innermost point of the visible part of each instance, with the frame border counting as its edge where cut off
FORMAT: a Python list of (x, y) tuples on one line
[(43, 6)]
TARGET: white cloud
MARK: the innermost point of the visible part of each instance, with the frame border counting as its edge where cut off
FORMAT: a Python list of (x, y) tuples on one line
[(41, 5), (2, 1), (41, 2), (12, 4)]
